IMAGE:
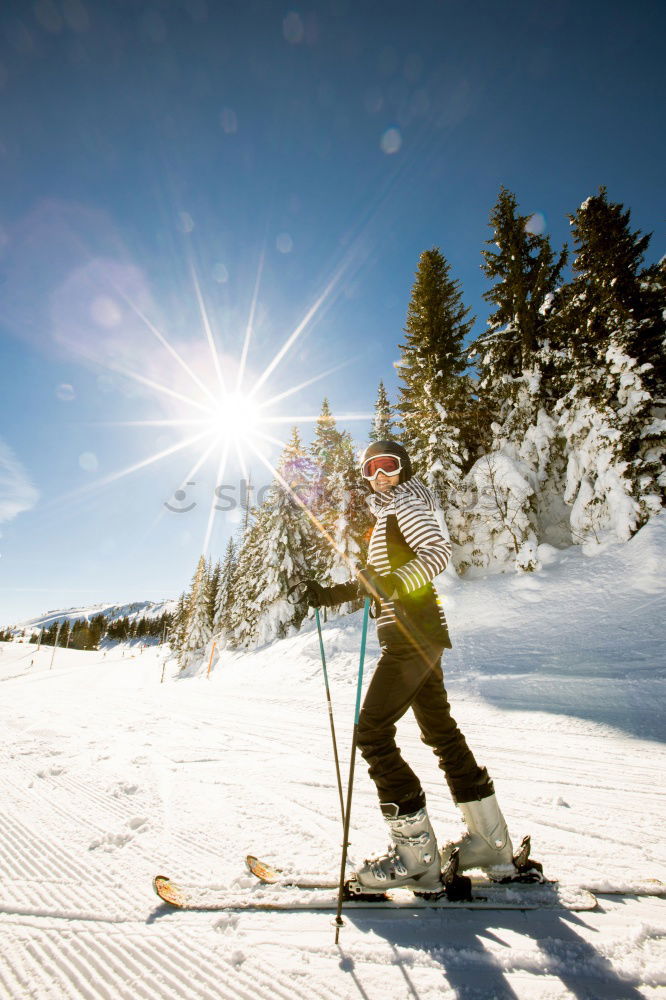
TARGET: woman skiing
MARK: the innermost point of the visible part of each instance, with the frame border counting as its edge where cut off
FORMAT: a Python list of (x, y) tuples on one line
[(407, 549)]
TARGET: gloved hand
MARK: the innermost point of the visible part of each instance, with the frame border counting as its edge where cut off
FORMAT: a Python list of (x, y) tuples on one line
[(383, 587), (316, 595)]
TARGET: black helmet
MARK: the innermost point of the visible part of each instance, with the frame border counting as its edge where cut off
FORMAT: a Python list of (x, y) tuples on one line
[(390, 448)]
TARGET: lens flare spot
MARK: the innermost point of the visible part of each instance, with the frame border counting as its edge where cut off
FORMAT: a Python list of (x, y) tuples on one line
[(88, 461), (220, 273), (229, 121), (284, 243), (536, 224), (65, 392), (185, 222), (76, 15), (48, 16), (292, 28), (391, 141), (105, 312), (153, 26)]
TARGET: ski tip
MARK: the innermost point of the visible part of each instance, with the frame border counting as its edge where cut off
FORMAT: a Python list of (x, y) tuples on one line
[(263, 871), (167, 890)]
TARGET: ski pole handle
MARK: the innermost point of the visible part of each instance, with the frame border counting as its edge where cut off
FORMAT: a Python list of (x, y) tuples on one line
[(300, 597)]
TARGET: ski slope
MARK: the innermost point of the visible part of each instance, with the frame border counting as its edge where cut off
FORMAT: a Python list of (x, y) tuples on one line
[(109, 776)]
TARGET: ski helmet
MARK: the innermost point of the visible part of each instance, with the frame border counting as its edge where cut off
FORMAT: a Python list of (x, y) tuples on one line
[(390, 448)]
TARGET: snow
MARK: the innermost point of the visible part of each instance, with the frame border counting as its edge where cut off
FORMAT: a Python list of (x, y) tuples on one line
[(109, 776)]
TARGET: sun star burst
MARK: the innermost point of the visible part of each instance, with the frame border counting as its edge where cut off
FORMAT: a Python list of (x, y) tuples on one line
[(227, 419)]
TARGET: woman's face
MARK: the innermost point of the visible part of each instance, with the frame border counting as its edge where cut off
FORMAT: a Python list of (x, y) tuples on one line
[(384, 482)]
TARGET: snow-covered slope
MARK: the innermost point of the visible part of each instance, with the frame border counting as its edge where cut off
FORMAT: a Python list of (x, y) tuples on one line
[(133, 610), (109, 776)]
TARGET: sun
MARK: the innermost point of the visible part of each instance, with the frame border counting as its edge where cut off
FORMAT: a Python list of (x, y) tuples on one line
[(223, 419), (235, 416)]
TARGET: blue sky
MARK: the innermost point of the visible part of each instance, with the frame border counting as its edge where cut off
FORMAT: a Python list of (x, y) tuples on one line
[(285, 156)]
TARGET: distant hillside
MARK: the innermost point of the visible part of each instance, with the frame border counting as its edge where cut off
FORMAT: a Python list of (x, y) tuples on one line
[(112, 612)]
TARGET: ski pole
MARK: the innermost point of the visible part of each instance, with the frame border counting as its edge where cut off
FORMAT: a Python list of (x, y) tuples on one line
[(299, 586), (345, 838), (330, 716)]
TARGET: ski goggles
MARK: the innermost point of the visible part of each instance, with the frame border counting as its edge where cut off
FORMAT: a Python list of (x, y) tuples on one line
[(388, 464)]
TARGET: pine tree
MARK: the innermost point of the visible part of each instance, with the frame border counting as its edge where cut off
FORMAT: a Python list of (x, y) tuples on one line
[(434, 394), (221, 621), (282, 537), (349, 516), (514, 354), (318, 495), (650, 345), (525, 273), (179, 626), (383, 428), (81, 635), (515, 392), (326, 440), (197, 632), (213, 586), (611, 375), (65, 633), (96, 630), (243, 610), (49, 637)]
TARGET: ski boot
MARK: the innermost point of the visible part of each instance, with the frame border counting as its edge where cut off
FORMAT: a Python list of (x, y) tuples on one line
[(486, 844), (412, 859)]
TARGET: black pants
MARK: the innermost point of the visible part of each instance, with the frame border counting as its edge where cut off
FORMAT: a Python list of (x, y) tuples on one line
[(409, 676)]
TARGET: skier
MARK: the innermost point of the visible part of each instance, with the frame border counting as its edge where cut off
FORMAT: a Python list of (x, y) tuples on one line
[(407, 549)]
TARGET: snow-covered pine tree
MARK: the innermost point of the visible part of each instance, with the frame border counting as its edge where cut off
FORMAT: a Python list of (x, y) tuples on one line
[(338, 502), (349, 515), (650, 347), (515, 357), (197, 630), (277, 549), (516, 394), (495, 529), (525, 272), (612, 407), (324, 497), (242, 609), (212, 589), (435, 392), (383, 427), (179, 624), (221, 622), (325, 440)]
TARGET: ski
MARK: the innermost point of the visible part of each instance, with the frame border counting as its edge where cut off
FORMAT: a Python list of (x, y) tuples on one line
[(459, 886), (493, 896), (269, 875)]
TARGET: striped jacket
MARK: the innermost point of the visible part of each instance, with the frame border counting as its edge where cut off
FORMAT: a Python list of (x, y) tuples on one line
[(407, 541)]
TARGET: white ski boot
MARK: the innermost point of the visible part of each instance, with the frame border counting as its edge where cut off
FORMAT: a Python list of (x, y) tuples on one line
[(412, 859), (486, 844)]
